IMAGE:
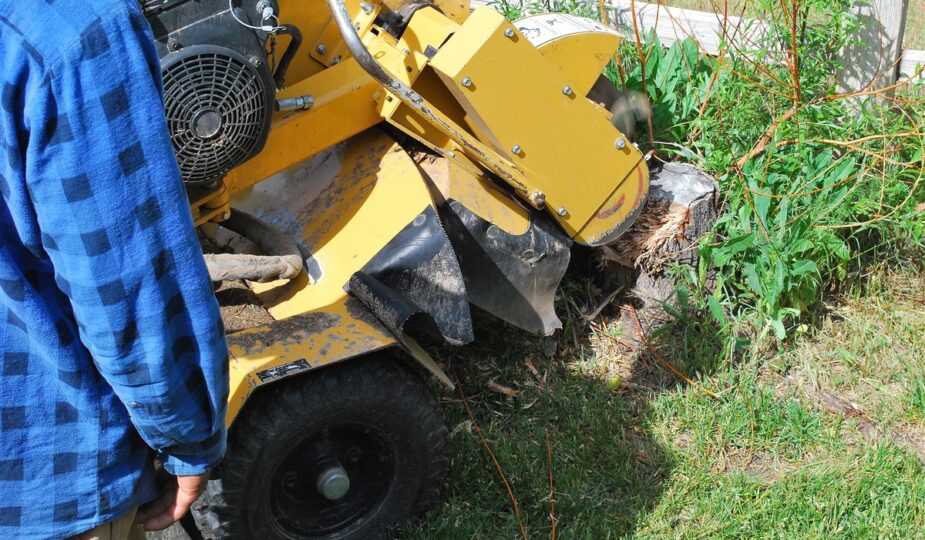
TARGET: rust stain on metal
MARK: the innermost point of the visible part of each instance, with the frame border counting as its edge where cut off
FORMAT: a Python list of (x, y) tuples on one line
[(640, 178)]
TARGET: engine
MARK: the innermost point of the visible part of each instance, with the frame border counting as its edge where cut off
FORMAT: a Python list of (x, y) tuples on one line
[(218, 85)]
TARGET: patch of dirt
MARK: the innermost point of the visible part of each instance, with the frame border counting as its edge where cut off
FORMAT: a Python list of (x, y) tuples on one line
[(240, 307), (910, 437), (760, 465)]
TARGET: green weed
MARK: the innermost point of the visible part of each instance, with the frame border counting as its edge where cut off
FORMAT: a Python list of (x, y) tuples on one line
[(809, 176)]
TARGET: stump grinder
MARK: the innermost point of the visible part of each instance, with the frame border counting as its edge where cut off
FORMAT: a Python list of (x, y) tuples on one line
[(367, 171)]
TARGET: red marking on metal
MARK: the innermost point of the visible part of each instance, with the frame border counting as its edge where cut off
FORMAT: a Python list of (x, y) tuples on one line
[(607, 212), (640, 187)]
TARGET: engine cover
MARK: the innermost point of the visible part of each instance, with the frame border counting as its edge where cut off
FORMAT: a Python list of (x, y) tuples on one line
[(218, 88)]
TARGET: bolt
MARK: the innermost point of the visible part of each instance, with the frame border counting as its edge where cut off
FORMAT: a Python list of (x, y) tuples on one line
[(466, 81), (537, 198), (366, 7), (562, 211), (516, 149), (291, 480), (509, 33), (321, 48), (335, 60), (265, 9), (620, 143), (255, 61), (567, 90), (174, 44)]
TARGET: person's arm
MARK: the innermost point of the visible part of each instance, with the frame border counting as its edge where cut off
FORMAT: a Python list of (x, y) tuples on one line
[(116, 223)]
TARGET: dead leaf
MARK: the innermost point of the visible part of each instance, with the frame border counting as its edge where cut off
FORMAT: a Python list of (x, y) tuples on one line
[(501, 389), (528, 361), (465, 425)]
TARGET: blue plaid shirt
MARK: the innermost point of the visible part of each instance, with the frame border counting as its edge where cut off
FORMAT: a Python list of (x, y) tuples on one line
[(110, 338)]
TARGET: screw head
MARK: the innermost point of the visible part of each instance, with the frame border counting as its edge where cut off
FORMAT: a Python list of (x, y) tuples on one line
[(509, 33), (366, 7), (321, 48), (516, 149), (335, 60), (567, 90), (620, 143), (466, 81), (562, 211)]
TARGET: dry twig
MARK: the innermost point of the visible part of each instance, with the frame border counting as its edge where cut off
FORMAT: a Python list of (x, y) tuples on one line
[(494, 460)]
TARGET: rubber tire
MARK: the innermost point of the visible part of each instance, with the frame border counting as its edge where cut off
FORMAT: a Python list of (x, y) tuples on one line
[(376, 388)]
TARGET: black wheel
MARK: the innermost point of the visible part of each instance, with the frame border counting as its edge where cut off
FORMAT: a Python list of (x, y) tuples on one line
[(348, 452)]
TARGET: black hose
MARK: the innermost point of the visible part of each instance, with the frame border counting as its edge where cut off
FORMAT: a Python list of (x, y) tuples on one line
[(279, 78)]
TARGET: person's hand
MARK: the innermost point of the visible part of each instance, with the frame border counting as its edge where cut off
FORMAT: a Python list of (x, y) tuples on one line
[(179, 495)]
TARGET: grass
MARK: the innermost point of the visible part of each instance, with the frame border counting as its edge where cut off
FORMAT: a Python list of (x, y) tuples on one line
[(653, 458), (813, 341), (915, 23)]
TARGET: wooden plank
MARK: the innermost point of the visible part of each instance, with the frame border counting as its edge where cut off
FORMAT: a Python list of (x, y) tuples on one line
[(675, 24), (911, 62), (870, 58)]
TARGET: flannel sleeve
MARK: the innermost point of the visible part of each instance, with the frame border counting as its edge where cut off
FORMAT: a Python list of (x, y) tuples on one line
[(115, 221)]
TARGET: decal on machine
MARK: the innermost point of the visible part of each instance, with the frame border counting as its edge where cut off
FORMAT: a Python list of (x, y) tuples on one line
[(283, 370), (541, 29)]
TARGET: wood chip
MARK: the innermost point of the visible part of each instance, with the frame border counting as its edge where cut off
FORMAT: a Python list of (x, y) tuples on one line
[(501, 389), (528, 361), (465, 425)]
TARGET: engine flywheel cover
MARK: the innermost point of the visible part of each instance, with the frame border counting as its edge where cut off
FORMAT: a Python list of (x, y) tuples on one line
[(217, 106)]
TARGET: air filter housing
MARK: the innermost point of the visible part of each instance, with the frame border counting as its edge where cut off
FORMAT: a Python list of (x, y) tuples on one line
[(218, 89)]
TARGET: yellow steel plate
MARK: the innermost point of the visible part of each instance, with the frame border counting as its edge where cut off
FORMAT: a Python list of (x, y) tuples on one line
[(567, 149)]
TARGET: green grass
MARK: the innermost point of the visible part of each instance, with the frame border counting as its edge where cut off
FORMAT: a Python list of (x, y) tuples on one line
[(655, 458), (815, 347)]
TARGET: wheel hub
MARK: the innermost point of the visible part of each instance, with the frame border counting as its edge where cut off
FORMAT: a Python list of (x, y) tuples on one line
[(333, 483), (332, 480)]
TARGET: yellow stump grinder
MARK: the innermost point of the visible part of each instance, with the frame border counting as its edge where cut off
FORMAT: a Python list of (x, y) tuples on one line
[(366, 171)]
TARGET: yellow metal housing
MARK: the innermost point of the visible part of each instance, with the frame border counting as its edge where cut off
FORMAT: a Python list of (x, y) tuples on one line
[(510, 127)]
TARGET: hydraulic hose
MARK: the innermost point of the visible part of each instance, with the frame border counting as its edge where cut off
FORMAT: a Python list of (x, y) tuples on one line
[(279, 78), (281, 260)]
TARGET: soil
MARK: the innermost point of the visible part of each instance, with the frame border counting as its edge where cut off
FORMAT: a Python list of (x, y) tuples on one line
[(240, 307)]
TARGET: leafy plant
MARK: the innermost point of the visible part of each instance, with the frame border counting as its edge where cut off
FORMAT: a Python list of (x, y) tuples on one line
[(811, 177)]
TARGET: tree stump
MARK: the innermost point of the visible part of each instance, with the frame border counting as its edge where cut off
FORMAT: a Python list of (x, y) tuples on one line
[(682, 206)]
